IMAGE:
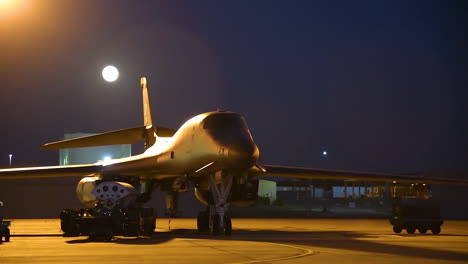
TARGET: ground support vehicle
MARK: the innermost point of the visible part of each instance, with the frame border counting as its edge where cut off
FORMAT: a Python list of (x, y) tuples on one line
[(4, 226), (416, 214), (106, 223)]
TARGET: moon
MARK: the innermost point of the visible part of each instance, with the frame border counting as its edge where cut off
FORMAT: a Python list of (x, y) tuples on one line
[(110, 73)]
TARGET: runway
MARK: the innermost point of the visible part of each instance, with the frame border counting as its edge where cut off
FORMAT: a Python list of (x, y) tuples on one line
[(253, 241)]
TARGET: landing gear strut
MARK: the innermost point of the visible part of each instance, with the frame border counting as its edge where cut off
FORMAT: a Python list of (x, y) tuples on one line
[(219, 219)]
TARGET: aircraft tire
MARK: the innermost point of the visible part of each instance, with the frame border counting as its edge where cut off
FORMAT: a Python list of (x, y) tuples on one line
[(151, 230), (203, 222), (435, 230), (227, 226), (397, 229)]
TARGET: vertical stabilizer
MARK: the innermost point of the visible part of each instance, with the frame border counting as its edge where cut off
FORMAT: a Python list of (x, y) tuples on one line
[(146, 104), (147, 119)]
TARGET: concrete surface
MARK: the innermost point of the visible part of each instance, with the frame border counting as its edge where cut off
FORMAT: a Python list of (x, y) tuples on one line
[(253, 241)]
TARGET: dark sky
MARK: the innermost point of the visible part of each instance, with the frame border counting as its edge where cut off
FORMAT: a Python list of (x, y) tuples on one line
[(381, 85)]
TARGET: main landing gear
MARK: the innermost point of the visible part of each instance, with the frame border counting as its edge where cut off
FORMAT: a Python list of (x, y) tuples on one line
[(217, 218)]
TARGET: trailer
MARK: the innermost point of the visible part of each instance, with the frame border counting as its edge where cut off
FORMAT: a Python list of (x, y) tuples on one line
[(416, 214), (107, 223), (4, 226)]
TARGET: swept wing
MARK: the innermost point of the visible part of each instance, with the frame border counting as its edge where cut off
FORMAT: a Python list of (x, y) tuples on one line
[(50, 171), (312, 173)]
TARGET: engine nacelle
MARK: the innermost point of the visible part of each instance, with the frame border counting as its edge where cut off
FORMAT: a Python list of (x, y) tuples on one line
[(244, 194), (84, 191), (91, 190)]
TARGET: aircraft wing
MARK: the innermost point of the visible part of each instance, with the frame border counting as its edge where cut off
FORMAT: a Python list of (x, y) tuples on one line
[(311, 173), (50, 171)]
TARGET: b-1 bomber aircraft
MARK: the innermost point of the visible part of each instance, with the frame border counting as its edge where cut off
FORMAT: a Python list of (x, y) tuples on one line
[(214, 151)]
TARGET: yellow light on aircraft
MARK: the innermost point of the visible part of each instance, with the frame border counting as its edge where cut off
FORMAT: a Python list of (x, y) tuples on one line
[(11, 8), (110, 73)]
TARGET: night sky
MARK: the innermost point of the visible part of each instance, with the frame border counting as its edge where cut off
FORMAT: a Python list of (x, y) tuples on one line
[(380, 85)]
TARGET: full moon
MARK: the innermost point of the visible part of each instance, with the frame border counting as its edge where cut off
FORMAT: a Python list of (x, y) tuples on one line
[(110, 73)]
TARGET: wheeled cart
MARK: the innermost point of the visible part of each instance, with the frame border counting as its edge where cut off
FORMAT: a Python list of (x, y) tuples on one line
[(416, 214), (109, 223)]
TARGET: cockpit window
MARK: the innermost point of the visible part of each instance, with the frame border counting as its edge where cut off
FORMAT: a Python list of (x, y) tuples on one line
[(224, 121)]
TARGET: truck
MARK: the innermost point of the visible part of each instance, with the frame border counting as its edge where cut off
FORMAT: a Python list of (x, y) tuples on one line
[(413, 214)]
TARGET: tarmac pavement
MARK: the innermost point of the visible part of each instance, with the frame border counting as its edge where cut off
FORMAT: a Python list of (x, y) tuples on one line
[(253, 241)]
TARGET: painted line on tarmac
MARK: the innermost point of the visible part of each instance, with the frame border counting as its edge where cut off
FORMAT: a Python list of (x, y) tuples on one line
[(307, 252)]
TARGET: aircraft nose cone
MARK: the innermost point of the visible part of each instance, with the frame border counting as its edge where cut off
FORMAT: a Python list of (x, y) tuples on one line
[(242, 151)]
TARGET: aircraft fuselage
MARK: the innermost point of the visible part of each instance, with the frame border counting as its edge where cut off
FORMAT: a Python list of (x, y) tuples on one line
[(208, 142)]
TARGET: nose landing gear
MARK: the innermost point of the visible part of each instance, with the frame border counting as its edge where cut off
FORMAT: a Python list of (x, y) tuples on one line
[(217, 218)]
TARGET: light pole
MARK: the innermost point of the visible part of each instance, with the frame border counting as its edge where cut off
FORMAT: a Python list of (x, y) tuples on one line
[(11, 156)]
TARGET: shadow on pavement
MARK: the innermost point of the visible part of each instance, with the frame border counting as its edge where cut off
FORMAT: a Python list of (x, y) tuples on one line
[(353, 241), (343, 240)]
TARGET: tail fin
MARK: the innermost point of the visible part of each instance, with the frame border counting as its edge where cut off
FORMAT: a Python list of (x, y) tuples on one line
[(150, 137), (146, 104)]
